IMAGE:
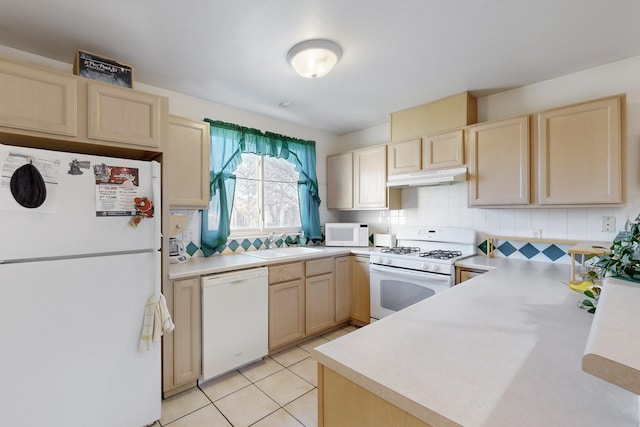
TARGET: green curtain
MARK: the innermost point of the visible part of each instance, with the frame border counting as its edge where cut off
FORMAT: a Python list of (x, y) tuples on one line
[(228, 142)]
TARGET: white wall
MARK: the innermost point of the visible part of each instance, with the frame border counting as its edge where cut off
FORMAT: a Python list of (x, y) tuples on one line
[(198, 109), (447, 205)]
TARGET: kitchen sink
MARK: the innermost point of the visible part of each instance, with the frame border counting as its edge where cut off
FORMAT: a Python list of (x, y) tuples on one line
[(282, 252)]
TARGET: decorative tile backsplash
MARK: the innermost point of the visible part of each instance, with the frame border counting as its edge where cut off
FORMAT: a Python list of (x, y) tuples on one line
[(191, 238), (536, 251)]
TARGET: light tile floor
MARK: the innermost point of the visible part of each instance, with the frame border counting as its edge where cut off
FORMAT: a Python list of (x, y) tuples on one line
[(278, 391)]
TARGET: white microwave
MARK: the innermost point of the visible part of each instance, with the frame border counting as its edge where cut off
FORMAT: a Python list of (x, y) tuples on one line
[(346, 234)]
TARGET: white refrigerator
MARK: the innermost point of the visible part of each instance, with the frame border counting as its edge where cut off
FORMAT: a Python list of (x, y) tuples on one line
[(75, 274)]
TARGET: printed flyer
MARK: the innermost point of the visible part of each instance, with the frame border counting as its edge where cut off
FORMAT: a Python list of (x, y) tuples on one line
[(116, 189)]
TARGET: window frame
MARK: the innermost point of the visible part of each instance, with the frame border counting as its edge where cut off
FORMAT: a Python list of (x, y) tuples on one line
[(254, 232)]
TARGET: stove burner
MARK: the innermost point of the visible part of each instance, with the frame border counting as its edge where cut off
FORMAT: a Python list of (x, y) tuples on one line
[(440, 254), (400, 250)]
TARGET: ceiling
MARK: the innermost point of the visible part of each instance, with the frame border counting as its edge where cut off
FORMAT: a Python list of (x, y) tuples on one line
[(396, 54)]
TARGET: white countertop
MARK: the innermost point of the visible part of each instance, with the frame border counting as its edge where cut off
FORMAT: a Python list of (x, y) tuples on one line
[(502, 349), (613, 350), (199, 266)]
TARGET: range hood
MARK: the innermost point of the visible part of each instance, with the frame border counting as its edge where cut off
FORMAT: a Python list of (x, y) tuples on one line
[(424, 178)]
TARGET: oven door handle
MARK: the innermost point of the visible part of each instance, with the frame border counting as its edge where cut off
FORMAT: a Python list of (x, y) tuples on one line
[(407, 273)]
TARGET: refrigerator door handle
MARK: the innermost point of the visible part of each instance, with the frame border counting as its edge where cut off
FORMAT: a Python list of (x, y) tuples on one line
[(157, 200)]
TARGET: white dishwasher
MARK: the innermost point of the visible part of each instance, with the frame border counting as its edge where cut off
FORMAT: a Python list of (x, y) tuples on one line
[(235, 317)]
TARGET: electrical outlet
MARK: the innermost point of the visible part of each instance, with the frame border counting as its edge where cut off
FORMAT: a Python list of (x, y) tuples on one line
[(608, 223), (537, 233)]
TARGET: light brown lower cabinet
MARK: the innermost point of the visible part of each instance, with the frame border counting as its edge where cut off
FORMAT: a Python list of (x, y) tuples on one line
[(463, 273), (286, 313), (342, 271), (310, 297), (360, 293), (182, 349), (320, 297), (343, 403), (319, 303)]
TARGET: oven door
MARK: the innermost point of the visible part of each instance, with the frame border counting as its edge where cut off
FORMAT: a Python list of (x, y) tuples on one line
[(393, 289)]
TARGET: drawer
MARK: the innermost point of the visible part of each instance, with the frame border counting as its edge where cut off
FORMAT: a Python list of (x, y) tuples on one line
[(286, 272), (319, 266)]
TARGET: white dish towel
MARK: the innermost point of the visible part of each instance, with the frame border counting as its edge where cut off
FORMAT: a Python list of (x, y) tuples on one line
[(157, 321)]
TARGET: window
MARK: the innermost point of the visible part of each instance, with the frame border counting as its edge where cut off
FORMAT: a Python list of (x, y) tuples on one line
[(266, 195)]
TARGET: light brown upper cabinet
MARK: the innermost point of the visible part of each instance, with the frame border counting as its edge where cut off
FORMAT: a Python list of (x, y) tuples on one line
[(498, 161), (126, 116), (38, 100), (186, 155), (54, 110), (357, 180), (452, 112), (340, 181), (444, 150), (370, 179), (404, 156), (579, 153)]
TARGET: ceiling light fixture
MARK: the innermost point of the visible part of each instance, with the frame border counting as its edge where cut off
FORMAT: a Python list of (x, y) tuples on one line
[(314, 58)]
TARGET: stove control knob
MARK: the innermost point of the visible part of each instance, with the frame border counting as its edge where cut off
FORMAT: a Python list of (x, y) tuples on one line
[(388, 261), (435, 267), (425, 266), (380, 260)]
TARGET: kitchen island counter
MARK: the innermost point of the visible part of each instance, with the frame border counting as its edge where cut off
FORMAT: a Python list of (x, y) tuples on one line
[(502, 349)]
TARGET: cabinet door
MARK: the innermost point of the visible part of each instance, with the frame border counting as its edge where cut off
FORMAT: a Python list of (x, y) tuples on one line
[(38, 100), (342, 271), (404, 156), (463, 274), (444, 150), (340, 181), (186, 156), (186, 336), (286, 313), (498, 157), (320, 303), (360, 296), (579, 154), (123, 115), (370, 178)]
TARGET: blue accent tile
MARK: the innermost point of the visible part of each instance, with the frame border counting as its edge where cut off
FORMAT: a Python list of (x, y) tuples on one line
[(246, 244), (191, 248), (554, 253), (233, 245), (257, 243), (529, 250), (506, 248), (288, 240), (483, 247)]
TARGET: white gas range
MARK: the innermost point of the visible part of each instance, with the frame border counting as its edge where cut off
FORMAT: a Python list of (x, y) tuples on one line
[(421, 265)]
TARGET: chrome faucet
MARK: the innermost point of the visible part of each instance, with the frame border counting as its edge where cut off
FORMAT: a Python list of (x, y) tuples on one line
[(272, 238)]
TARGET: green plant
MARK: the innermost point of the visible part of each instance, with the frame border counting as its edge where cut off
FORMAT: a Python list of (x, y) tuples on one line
[(624, 259), (594, 294)]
